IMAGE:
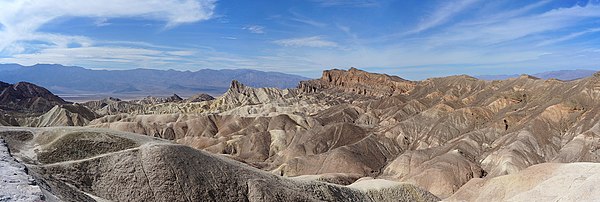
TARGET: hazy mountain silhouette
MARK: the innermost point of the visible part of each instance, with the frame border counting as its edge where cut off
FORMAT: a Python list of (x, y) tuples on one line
[(565, 75), (77, 80)]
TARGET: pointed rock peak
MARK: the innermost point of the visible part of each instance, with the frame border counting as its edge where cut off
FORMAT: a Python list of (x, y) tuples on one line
[(352, 69), (21, 84), (200, 97), (527, 76), (554, 80), (175, 97), (236, 86), (464, 76), (112, 99), (27, 85), (597, 74)]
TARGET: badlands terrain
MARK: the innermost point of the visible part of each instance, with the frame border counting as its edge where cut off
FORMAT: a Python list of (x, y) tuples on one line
[(348, 136)]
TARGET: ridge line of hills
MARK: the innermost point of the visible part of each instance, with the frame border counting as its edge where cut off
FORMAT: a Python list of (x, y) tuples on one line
[(80, 84)]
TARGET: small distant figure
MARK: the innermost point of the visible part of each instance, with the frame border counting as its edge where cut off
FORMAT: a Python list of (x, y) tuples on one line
[(505, 124)]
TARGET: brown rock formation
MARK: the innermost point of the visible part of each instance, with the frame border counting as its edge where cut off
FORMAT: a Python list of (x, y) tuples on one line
[(359, 82), (199, 98), (27, 97)]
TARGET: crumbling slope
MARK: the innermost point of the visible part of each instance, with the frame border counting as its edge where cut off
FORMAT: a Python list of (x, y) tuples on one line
[(81, 164)]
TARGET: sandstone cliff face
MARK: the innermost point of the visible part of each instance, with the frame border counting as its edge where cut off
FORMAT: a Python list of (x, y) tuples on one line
[(359, 82)]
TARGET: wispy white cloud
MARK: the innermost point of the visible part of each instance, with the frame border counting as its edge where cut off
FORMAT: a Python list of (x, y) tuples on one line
[(314, 41), (101, 22), (306, 20), (568, 37), (349, 3), (181, 53), (494, 31), (310, 22), (256, 29), (70, 56), (22, 19), (442, 14), (494, 15)]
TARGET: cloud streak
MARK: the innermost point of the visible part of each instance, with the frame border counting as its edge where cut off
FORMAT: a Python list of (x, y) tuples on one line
[(255, 29), (568, 37), (314, 42), (348, 3), (305, 20), (442, 14), (22, 19), (494, 31)]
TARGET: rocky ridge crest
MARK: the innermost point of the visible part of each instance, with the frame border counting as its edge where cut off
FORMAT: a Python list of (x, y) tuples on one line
[(358, 82)]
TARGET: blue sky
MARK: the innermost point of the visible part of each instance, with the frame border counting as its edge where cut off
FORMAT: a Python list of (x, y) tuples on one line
[(414, 39)]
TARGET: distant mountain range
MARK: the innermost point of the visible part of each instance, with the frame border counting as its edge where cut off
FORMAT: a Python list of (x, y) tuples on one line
[(565, 75), (74, 82)]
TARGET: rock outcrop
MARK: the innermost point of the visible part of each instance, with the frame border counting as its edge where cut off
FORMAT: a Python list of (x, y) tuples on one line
[(240, 95), (359, 82), (27, 98), (158, 100), (199, 98), (62, 115), (15, 183)]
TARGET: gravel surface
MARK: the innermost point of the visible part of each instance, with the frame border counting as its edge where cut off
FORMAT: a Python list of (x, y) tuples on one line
[(15, 183)]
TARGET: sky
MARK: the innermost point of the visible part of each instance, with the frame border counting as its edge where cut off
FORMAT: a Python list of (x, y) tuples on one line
[(414, 39)]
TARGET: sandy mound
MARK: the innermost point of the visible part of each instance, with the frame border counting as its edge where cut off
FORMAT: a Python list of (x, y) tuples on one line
[(543, 182)]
